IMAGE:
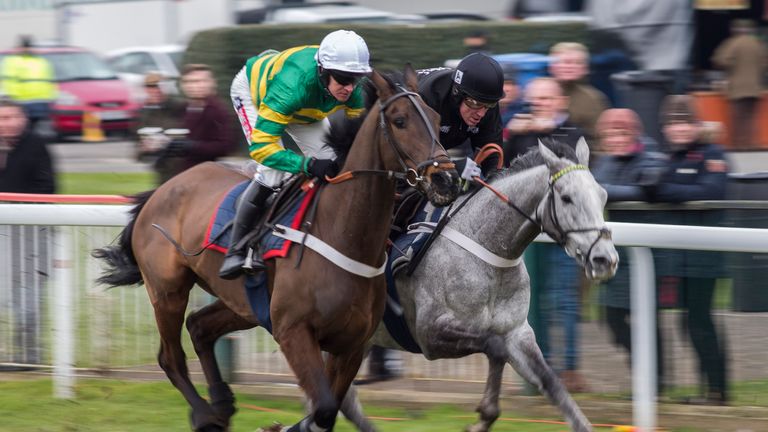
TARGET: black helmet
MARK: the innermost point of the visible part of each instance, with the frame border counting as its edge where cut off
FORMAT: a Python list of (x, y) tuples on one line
[(479, 77)]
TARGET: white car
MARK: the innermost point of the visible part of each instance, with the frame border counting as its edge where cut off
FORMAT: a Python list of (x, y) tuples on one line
[(132, 64), (324, 12)]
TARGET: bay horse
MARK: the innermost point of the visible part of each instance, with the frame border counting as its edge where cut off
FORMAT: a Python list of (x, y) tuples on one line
[(456, 303), (314, 307)]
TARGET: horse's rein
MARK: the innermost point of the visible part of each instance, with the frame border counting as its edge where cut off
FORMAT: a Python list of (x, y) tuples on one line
[(562, 235), (412, 175), (486, 151)]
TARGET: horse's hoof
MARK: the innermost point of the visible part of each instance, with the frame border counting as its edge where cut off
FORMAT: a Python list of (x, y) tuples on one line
[(224, 411), (275, 427), (212, 428), (207, 423), (477, 427)]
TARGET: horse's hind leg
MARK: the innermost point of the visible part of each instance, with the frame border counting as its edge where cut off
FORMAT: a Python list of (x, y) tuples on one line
[(205, 327), (169, 314), (526, 358), (302, 351)]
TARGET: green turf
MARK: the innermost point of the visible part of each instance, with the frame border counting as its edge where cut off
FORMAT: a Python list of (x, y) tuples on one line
[(116, 406), (106, 183)]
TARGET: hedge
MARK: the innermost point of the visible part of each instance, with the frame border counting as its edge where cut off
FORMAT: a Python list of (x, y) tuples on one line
[(226, 49)]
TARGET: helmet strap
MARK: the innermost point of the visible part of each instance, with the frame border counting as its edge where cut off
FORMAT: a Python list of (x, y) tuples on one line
[(456, 93), (325, 78)]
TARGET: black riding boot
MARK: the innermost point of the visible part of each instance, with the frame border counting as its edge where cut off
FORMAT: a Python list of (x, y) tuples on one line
[(251, 208)]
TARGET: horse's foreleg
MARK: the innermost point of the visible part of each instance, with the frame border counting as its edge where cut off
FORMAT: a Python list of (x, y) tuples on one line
[(525, 356), (489, 406), (169, 314), (342, 369), (303, 354), (205, 327)]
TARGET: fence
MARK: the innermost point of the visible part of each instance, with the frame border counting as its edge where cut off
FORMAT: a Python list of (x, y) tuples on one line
[(114, 329)]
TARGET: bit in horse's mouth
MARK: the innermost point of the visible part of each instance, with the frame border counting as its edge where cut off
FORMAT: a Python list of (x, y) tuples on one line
[(439, 200)]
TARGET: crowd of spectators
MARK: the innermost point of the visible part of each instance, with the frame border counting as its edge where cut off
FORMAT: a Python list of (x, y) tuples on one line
[(687, 165), (630, 167)]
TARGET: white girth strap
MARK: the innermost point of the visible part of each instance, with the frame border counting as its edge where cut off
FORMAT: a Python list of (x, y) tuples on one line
[(331, 254), (466, 243)]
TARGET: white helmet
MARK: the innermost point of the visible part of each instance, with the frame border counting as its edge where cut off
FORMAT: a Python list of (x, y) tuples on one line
[(344, 50)]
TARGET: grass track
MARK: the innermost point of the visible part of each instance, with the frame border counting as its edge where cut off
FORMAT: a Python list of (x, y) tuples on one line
[(106, 183), (117, 406)]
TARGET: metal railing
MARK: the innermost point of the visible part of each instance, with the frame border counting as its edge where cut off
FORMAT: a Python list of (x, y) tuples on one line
[(83, 325), (81, 311)]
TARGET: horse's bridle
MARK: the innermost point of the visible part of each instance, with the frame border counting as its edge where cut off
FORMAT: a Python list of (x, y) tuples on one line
[(414, 174), (561, 235)]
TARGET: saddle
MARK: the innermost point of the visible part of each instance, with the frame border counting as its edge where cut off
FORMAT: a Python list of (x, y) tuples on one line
[(280, 203)]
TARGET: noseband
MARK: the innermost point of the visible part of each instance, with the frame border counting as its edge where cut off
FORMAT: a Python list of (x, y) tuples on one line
[(414, 173), (562, 235)]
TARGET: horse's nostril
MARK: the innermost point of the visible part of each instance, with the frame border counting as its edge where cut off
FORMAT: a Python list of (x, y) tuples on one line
[(600, 261), (442, 180)]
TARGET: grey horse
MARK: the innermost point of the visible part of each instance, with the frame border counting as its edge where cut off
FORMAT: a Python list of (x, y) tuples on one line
[(457, 304)]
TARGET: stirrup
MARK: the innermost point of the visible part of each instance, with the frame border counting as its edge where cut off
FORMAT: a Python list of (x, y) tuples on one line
[(250, 259), (248, 266)]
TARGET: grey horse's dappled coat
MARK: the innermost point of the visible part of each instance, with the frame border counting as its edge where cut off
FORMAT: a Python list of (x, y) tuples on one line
[(456, 304)]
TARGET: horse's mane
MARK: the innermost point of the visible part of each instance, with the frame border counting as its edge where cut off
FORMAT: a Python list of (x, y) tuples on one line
[(343, 129), (532, 158)]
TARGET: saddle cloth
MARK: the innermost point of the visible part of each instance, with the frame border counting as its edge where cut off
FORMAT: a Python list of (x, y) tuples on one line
[(404, 247), (218, 236)]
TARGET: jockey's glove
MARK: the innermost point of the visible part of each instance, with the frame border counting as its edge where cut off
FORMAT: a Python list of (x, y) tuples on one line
[(321, 168), (471, 170)]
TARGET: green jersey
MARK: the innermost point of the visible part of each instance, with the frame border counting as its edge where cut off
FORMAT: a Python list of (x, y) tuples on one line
[(286, 89)]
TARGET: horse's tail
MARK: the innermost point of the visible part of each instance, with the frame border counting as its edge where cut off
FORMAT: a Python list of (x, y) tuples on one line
[(122, 267)]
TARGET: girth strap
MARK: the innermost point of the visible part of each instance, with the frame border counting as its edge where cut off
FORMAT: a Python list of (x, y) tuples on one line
[(466, 243), (327, 251)]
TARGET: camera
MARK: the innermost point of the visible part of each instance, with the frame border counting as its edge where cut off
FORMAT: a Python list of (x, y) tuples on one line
[(525, 108)]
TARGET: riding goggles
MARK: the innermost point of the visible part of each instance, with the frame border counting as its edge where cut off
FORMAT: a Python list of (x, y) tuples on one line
[(475, 104), (345, 79)]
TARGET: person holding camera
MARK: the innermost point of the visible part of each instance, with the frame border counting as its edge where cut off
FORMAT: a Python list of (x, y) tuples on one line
[(547, 120), (160, 111), (544, 116), (187, 133)]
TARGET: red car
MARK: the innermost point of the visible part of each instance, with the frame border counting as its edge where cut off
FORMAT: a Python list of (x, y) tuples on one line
[(87, 84)]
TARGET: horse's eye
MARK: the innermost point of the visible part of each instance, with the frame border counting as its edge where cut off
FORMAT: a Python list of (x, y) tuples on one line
[(399, 123), (566, 199)]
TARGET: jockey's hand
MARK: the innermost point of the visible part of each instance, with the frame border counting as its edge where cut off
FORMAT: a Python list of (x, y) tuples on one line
[(471, 170), (322, 167)]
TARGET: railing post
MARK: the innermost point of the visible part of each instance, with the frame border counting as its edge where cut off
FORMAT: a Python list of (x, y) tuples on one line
[(63, 337), (643, 304)]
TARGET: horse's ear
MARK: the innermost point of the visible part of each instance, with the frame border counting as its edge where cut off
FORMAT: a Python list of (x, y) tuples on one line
[(383, 89), (411, 78), (582, 151), (549, 156)]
